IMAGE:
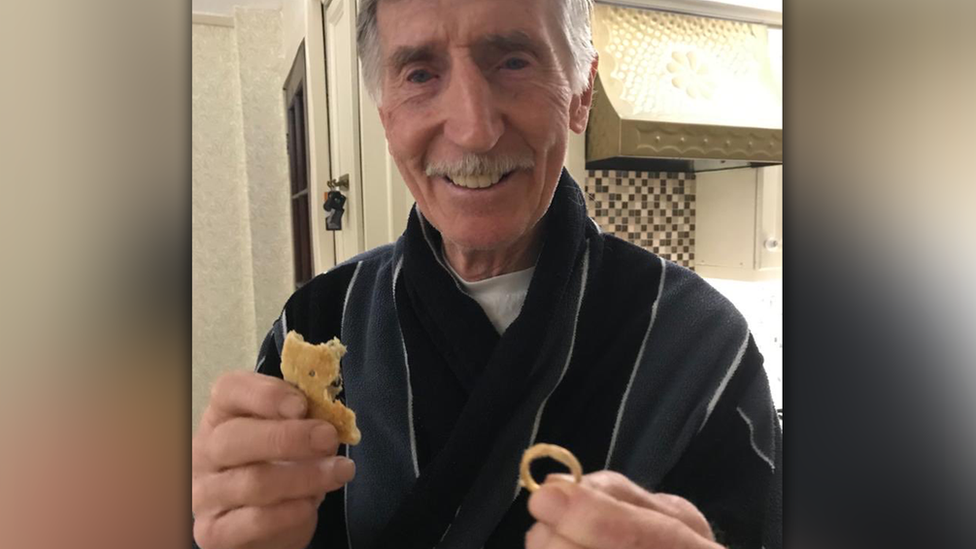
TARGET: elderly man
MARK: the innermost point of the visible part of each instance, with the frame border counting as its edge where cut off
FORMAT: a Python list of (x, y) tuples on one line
[(501, 318)]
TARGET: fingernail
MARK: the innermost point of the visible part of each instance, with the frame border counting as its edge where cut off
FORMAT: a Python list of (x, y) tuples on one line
[(550, 502), (537, 536), (344, 469), (292, 406), (324, 438)]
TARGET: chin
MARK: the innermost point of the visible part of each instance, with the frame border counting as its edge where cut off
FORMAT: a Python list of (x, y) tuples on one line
[(489, 236)]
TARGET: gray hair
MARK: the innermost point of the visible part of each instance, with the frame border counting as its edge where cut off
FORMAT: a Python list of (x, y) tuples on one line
[(574, 18)]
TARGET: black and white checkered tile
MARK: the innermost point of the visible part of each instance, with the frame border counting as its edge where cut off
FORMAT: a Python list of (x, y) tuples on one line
[(655, 210)]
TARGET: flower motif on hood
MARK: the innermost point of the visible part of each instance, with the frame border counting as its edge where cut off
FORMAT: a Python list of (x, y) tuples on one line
[(691, 74)]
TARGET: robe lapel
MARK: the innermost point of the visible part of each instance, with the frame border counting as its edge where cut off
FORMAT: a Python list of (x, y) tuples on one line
[(499, 375)]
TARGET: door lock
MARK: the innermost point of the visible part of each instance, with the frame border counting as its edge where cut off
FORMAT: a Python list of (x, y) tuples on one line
[(341, 183)]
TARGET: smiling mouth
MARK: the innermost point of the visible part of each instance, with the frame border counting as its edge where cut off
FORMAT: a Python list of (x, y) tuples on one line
[(482, 181)]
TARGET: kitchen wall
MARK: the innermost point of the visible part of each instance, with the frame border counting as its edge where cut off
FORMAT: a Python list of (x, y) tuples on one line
[(242, 264), (761, 303), (656, 210)]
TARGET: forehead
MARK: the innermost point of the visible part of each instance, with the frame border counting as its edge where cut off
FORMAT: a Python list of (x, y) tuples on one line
[(448, 23)]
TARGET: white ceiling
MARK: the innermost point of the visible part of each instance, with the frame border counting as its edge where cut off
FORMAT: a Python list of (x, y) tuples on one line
[(226, 7)]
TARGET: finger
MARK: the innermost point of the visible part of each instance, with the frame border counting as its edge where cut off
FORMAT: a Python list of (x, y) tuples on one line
[(252, 395), (263, 484), (623, 489), (241, 441), (288, 520), (541, 536), (593, 519)]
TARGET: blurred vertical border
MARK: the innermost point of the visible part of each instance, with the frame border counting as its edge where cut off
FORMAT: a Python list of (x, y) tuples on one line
[(94, 299), (880, 279)]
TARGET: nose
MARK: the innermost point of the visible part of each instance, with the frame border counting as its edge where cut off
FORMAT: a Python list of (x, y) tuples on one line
[(472, 120)]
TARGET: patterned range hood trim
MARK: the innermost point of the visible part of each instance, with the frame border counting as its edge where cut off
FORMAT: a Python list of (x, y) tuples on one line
[(680, 86)]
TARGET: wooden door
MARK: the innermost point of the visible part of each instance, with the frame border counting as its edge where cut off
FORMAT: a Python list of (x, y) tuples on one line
[(297, 139), (342, 84)]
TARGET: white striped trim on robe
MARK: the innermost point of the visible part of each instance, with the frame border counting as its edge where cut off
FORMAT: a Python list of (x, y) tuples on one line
[(406, 365), (640, 356), (725, 381), (569, 355)]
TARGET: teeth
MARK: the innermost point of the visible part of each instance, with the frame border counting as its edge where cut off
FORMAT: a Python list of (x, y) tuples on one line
[(476, 181)]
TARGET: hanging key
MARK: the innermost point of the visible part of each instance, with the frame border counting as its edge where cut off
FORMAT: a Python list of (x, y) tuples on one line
[(333, 220), (334, 208)]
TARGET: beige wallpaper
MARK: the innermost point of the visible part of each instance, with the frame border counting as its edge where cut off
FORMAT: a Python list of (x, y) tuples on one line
[(242, 264), (259, 45)]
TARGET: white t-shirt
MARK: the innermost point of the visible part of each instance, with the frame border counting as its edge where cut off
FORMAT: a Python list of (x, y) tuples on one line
[(500, 296)]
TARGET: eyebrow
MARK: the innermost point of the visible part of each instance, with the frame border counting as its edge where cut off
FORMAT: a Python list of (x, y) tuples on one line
[(510, 42), (405, 55), (499, 43)]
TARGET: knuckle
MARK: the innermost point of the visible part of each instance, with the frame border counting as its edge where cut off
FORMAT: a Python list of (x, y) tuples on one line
[(699, 524), (290, 516), (218, 447), (222, 386), (198, 496), (605, 475), (688, 513), (677, 502), (309, 511), (620, 533), (676, 529), (255, 484), (203, 533), (198, 453), (311, 476), (605, 480), (280, 439)]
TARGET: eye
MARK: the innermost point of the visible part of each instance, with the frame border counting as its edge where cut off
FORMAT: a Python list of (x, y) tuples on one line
[(515, 63), (419, 76), (311, 373)]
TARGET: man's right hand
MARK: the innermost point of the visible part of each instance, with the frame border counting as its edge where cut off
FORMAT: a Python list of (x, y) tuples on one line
[(260, 470)]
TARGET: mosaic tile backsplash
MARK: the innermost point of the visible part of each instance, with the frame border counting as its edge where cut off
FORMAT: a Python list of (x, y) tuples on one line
[(655, 210)]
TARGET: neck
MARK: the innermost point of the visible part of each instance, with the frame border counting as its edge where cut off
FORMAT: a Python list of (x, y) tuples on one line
[(474, 265)]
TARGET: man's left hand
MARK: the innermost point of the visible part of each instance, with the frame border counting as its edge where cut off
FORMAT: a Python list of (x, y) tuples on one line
[(608, 511)]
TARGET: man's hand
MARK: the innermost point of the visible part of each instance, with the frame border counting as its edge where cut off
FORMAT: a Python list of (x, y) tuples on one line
[(260, 470), (608, 511)]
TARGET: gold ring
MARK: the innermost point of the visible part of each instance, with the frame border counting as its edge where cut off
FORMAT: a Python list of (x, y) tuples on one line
[(557, 453)]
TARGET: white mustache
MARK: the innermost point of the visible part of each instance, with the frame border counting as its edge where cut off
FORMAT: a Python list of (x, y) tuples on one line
[(475, 164)]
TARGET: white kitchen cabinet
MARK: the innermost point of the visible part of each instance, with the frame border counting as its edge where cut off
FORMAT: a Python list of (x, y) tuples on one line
[(739, 223)]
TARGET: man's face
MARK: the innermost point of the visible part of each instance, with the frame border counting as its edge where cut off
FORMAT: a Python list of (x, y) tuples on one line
[(481, 81)]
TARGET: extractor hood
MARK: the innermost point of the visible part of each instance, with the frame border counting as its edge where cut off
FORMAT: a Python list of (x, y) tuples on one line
[(677, 92)]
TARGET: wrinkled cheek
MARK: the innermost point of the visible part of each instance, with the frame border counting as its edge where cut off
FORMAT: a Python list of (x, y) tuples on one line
[(408, 137), (548, 117)]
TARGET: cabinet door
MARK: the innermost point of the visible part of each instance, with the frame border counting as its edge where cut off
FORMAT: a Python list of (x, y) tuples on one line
[(739, 222), (342, 84), (769, 222), (725, 221)]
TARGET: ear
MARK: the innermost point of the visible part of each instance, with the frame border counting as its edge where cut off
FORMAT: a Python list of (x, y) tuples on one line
[(579, 110)]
